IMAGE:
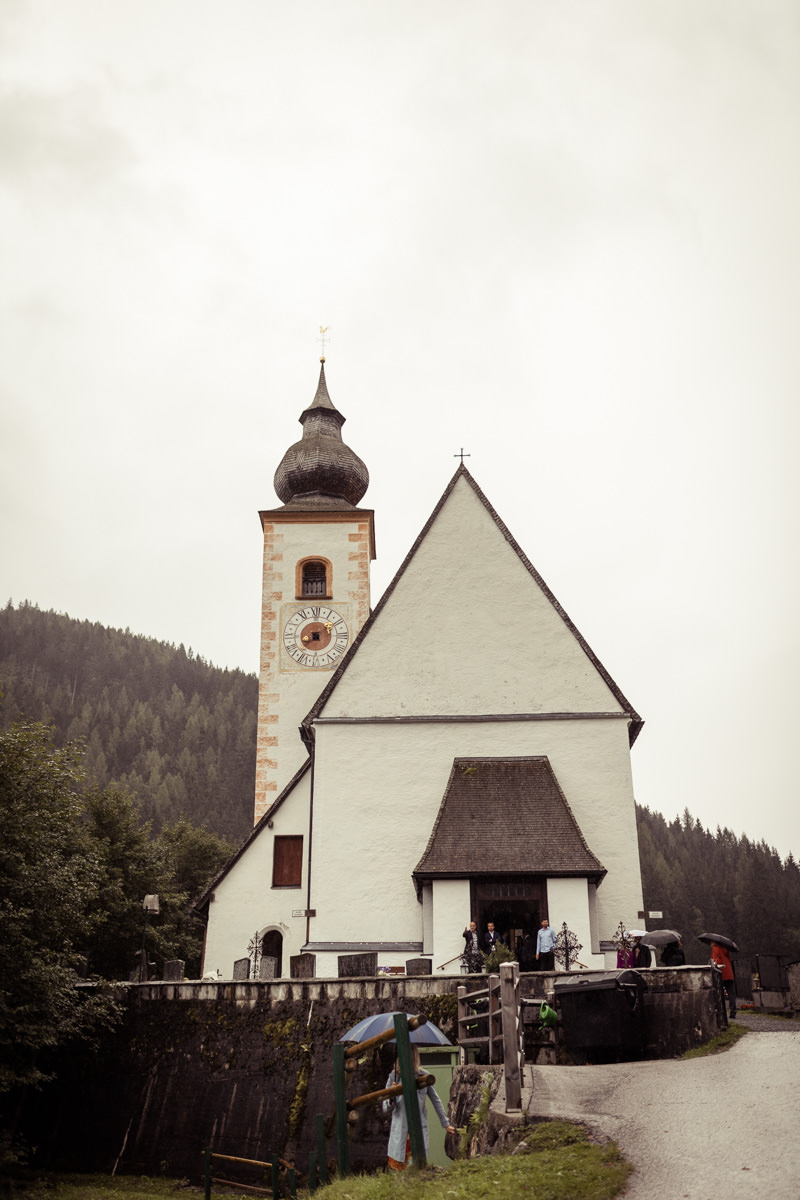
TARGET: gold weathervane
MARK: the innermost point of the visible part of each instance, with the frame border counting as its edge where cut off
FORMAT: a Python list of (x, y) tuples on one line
[(323, 329)]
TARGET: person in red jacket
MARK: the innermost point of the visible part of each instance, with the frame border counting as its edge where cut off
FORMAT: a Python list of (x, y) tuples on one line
[(722, 958)]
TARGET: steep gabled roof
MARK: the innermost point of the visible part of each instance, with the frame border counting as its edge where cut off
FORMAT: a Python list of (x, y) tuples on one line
[(635, 721), (505, 816), (201, 903)]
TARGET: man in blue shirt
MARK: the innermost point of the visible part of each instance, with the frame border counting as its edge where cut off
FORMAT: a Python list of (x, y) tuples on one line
[(545, 946)]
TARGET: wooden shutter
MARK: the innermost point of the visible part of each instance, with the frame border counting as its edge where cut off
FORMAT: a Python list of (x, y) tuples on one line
[(287, 862)]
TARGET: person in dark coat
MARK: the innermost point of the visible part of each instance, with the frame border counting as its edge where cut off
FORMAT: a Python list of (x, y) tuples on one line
[(641, 954), (527, 953), (672, 955), (472, 950), (492, 938)]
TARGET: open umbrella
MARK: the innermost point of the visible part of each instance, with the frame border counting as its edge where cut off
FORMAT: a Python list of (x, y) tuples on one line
[(720, 939), (636, 933), (426, 1035), (661, 937)]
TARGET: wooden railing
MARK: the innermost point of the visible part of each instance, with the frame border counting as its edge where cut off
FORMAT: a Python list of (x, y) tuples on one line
[(501, 1011)]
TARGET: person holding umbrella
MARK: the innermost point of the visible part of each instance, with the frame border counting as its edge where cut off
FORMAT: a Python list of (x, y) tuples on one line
[(672, 955), (398, 1153), (721, 956)]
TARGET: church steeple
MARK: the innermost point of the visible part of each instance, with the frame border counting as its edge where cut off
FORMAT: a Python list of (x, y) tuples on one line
[(321, 471)]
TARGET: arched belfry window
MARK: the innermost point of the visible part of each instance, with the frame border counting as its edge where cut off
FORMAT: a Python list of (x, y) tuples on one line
[(314, 577)]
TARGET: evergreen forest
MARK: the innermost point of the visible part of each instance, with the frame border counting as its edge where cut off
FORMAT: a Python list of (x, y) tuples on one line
[(718, 883), (155, 720), (179, 735)]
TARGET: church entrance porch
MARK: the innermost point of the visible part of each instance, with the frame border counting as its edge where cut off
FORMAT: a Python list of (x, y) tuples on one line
[(516, 904)]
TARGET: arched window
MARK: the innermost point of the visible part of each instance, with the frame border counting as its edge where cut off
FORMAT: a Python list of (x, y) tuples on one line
[(315, 578)]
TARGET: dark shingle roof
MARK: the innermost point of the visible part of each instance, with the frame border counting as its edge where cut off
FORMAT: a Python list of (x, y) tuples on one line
[(505, 816), (321, 471)]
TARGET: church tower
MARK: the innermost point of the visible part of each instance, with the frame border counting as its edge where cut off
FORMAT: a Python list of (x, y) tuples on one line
[(315, 592)]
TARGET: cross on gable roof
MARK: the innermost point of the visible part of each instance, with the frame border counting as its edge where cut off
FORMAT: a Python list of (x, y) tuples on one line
[(635, 722)]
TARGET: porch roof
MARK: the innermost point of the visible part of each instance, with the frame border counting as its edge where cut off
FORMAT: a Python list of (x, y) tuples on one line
[(505, 816)]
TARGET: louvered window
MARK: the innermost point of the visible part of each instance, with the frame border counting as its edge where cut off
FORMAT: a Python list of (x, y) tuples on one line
[(314, 579)]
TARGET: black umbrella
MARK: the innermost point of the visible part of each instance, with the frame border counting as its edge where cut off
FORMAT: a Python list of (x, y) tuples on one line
[(661, 937), (720, 939)]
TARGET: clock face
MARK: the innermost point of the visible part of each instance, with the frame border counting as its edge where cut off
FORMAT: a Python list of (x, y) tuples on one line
[(316, 636)]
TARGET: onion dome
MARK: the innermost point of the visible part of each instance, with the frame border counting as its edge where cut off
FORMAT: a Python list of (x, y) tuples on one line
[(320, 471)]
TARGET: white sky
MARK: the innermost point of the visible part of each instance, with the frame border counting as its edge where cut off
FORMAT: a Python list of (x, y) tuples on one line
[(561, 235)]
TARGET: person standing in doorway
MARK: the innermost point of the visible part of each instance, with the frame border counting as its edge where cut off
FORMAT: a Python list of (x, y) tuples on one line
[(472, 950), (492, 938), (545, 947)]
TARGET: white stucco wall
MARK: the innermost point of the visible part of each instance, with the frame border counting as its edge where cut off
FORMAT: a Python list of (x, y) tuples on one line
[(245, 901), (568, 900), (451, 915), (378, 788), (468, 630)]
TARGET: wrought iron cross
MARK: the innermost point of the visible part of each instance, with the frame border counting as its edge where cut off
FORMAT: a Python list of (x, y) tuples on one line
[(462, 455), (323, 329)]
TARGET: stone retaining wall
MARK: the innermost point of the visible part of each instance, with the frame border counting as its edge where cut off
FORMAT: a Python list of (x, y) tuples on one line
[(244, 1067)]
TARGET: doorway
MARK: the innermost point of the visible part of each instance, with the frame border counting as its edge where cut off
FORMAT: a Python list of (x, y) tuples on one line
[(272, 947), (515, 904)]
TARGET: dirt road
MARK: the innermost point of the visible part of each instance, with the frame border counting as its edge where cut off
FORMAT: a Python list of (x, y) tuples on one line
[(725, 1126)]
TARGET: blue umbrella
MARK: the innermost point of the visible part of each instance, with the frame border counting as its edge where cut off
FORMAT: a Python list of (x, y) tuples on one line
[(426, 1035)]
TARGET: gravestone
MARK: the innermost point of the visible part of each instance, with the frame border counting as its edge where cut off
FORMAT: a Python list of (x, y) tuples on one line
[(174, 970), (302, 966), (419, 966), (352, 966), (267, 967), (241, 969)]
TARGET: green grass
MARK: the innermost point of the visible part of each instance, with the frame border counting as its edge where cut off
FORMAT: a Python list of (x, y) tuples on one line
[(552, 1161), (721, 1041)]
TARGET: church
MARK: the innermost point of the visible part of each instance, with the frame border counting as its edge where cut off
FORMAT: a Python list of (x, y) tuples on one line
[(456, 753)]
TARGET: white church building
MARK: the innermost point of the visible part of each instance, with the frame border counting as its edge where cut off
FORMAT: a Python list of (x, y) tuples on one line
[(458, 752)]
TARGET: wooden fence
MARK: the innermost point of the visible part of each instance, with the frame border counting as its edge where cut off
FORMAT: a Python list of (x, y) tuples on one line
[(497, 1008)]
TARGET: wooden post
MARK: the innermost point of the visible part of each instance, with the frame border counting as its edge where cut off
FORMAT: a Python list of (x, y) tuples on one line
[(207, 1173), (322, 1149), (276, 1182), (494, 982), (408, 1078), (462, 1012), (312, 1171), (510, 1007), (340, 1099)]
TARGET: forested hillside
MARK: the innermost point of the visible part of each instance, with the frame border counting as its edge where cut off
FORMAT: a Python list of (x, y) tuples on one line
[(177, 732), (716, 882)]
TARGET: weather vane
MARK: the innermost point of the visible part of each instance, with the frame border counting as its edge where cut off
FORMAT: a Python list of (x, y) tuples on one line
[(462, 455), (323, 329)]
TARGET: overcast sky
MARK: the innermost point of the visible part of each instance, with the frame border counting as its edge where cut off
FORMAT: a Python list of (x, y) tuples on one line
[(561, 235)]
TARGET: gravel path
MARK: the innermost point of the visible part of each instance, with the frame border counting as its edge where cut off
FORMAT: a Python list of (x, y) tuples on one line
[(724, 1126)]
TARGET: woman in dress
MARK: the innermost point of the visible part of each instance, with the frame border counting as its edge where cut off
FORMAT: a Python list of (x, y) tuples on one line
[(399, 1149)]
